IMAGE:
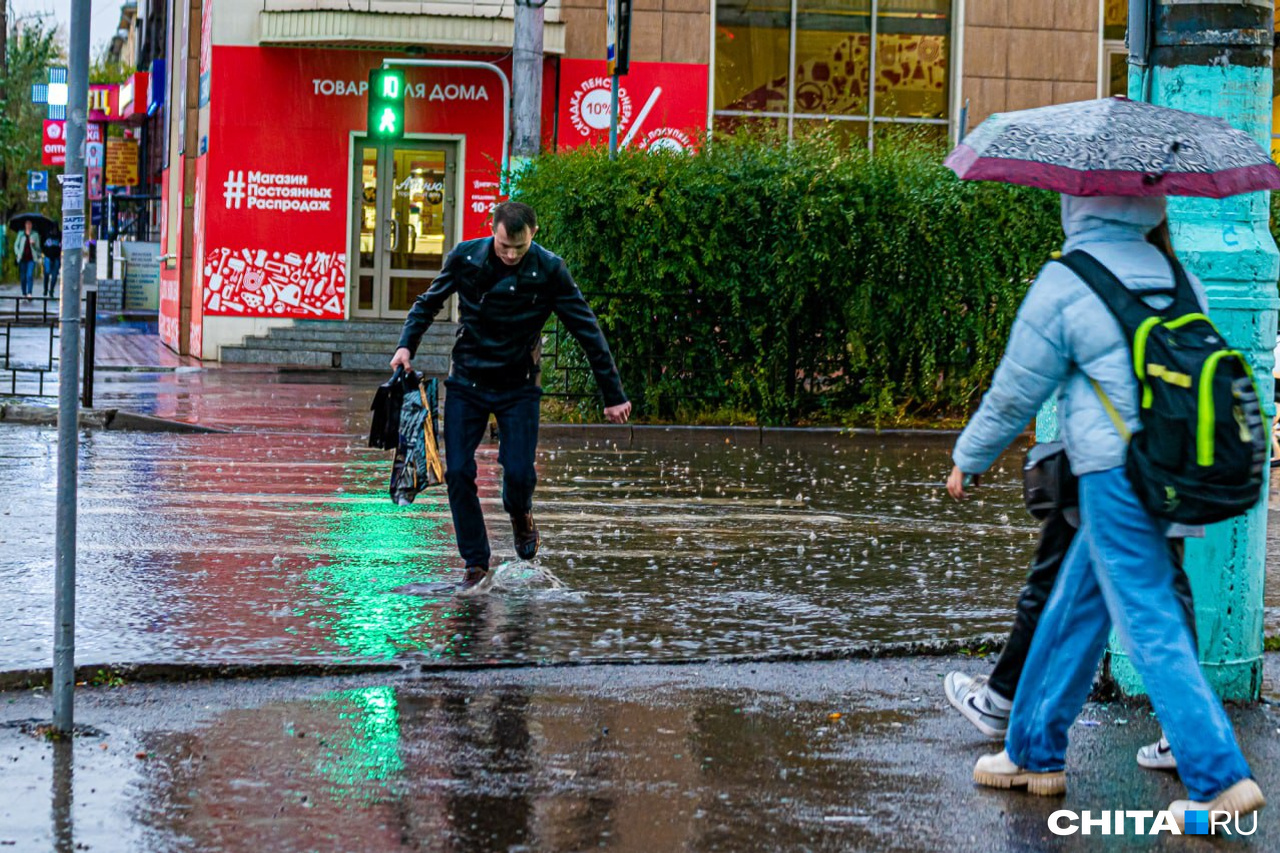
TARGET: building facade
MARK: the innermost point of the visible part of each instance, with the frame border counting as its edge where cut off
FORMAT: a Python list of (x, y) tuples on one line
[(278, 210)]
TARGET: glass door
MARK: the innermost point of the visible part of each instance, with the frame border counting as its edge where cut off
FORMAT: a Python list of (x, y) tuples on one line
[(403, 209)]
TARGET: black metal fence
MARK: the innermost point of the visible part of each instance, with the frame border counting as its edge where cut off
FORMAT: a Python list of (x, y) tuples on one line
[(29, 331)]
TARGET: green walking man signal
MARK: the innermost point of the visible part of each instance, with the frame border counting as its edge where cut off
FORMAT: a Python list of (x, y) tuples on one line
[(386, 104)]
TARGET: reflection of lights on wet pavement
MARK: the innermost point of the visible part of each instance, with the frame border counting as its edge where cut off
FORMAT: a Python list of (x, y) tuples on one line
[(374, 549), (371, 752)]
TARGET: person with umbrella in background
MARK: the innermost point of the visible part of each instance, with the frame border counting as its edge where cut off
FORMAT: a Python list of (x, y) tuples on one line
[(26, 248), (1113, 161)]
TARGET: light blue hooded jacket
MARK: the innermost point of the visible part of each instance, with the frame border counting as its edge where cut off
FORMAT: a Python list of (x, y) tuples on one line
[(1064, 335)]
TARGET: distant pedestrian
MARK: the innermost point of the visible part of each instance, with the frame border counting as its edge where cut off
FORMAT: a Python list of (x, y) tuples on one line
[(26, 247), (507, 287), (1117, 571), (52, 261)]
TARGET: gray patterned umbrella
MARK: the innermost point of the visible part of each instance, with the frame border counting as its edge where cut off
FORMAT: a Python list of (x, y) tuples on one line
[(1115, 146)]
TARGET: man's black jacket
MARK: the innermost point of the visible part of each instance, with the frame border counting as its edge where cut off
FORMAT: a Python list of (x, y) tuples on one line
[(503, 310)]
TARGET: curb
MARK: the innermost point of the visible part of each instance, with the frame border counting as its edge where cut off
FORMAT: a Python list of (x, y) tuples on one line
[(107, 419), (177, 673), (183, 672), (747, 436)]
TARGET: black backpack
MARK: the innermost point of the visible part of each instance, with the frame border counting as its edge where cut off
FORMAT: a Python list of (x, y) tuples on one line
[(1202, 448)]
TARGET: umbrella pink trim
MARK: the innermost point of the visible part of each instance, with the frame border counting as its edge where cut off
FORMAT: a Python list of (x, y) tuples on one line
[(966, 163)]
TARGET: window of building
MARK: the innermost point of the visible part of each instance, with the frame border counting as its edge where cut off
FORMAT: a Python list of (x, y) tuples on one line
[(1115, 21), (859, 65), (1275, 98)]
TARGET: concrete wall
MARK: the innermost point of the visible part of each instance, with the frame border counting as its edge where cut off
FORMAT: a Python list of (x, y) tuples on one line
[(661, 30), (1028, 53), (236, 22)]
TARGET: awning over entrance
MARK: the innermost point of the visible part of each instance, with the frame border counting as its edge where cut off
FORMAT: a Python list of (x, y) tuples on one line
[(343, 28)]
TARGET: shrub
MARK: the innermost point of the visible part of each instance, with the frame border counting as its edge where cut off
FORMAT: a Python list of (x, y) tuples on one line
[(796, 280)]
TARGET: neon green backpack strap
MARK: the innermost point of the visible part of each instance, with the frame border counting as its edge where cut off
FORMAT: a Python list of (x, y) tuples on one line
[(1111, 411)]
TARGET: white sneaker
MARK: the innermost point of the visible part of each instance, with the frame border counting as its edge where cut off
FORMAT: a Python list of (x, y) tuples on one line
[(999, 771), (1241, 798), (970, 696), (1157, 756)]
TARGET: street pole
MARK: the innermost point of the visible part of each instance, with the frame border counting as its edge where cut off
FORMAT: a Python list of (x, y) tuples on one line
[(1214, 57), (526, 80), (613, 118), (64, 608)]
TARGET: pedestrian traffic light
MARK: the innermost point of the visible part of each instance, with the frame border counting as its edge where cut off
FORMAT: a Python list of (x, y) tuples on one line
[(386, 104)]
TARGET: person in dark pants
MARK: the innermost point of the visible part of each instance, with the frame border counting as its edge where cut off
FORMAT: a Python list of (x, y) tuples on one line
[(985, 701), (507, 287), (52, 249)]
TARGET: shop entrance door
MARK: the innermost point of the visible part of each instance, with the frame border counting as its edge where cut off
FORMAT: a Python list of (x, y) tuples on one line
[(402, 221)]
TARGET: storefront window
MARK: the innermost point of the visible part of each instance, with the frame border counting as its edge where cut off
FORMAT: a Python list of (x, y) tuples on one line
[(814, 58), (1115, 22)]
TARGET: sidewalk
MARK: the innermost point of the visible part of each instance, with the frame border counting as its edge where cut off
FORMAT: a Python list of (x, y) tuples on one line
[(841, 756)]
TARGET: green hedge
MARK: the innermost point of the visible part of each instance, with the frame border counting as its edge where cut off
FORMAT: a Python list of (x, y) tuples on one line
[(792, 281)]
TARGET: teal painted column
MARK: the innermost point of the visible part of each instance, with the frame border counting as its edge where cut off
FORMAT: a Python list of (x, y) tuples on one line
[(1214, 58)]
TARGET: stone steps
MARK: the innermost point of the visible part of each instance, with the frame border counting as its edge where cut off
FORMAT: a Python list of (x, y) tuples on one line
[(362, 345)]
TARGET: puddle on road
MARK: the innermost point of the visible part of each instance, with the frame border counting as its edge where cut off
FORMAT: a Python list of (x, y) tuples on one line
[(282, 546), (446, 766)]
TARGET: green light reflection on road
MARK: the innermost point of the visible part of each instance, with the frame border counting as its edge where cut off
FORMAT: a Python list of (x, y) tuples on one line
[(371, 753), (376, 548)]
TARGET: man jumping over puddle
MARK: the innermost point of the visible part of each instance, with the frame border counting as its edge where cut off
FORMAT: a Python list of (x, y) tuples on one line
[(507, 287)]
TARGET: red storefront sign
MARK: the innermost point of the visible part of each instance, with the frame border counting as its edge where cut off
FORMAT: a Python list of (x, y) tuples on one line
[(54, 148), (661, 105), (133, 97), (277, 197), (104, 102)]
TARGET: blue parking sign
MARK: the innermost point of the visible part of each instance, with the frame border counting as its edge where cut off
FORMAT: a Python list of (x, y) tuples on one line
[(37, 182)]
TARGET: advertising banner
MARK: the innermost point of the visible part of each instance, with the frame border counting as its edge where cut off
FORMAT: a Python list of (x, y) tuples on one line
[(122, 163), (141, 276), (661, 105), (279, 169)]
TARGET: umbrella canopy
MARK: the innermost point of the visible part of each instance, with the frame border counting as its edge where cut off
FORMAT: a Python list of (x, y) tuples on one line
[(41, 224), (1115, 146)]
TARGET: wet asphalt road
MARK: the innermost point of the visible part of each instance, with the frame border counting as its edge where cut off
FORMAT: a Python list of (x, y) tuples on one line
[(649, 758), (277, 542)]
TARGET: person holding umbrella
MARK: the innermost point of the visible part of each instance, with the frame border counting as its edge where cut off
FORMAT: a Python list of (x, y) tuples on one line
[(1113, 160), (26, 248)]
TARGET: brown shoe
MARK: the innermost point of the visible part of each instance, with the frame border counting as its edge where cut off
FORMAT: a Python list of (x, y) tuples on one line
[(473, 576), (525, 534)]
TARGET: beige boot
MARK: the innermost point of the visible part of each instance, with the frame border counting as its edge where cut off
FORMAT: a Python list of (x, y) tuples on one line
[(1241, 798), (999, 771)]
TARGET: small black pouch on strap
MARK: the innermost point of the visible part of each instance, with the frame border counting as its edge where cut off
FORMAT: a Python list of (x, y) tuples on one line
[(1047, 481)]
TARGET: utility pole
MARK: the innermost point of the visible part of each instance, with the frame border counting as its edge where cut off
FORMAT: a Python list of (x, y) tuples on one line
[(1214, 57), (4, 75), (73, 209), (526, 74)]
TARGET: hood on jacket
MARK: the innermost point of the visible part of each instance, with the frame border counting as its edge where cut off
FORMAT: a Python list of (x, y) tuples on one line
[(1083, 214)]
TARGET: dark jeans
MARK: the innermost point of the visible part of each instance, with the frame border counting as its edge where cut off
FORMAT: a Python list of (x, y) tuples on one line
[(1056, 536), (51, 270), (26, 276), (466, 415)]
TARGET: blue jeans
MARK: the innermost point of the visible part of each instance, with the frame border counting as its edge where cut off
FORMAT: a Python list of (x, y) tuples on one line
[(1118, 572), (27, 276), (51, 270), (466, 416)]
